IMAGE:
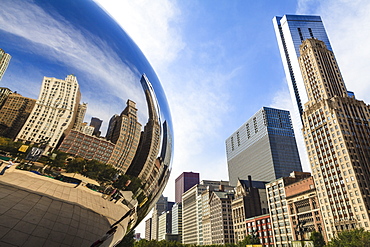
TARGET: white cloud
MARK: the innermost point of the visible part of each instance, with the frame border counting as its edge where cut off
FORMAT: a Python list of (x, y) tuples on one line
[(151, 25), (347, 23)]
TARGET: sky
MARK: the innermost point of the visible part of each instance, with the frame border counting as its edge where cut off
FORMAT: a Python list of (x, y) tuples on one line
[(219, 63)]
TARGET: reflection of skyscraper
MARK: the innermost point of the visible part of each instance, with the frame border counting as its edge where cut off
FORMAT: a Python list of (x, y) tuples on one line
[(290, 31), (80, 116), (87, 146), (14, 114), (96, 123), (336, 131), (4, 92), (4, 62), (264, 147), (54, 112), (124, 132), (145, 164)]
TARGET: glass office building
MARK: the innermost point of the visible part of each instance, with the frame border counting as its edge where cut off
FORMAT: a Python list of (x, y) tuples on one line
[(264, 147), (291, 31)]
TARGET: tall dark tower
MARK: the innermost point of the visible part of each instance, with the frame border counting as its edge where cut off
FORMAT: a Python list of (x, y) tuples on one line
[(184, 182), (96, 123)]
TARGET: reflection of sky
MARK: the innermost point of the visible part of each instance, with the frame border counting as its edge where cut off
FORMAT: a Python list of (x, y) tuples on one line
[(57, 38)]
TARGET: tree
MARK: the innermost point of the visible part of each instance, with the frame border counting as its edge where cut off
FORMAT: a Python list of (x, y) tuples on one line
[(352, 238), (128, 240), (318, 239)]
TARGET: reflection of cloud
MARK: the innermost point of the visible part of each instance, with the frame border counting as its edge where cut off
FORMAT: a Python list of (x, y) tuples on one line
[(51, 36)]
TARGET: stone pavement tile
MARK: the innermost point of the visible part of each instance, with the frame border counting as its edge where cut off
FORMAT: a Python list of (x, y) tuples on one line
[(41, 232), (87, 243), (64, 220), (68, 239), (59, 227), (74, 223), (3, 244), (50, 216), (33, 241), (15, 237), (8, 221), (32, 198), (77, 241), (3, 230), (32, 218), (51, 243), (46, 223), (41, 207), (55, 205), (45, 201), (5, 206), (57, 236), (24, 227), (22, 206), (15, 213)]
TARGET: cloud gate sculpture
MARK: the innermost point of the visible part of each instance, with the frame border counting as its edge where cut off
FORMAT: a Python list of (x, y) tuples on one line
[(85, 129)]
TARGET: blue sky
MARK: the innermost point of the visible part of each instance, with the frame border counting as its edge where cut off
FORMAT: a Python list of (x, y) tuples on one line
[(219, 63)]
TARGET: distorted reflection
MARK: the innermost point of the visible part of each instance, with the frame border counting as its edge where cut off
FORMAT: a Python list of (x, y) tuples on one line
[(85, 160)]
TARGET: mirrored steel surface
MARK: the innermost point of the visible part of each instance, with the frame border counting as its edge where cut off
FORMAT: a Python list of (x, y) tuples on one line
[(85, 129)]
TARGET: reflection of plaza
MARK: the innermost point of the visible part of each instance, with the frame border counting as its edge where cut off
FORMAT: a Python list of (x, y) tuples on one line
[(39, 207)]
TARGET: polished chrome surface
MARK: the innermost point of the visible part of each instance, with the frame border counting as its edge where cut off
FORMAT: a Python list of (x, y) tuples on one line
[(85, 129)]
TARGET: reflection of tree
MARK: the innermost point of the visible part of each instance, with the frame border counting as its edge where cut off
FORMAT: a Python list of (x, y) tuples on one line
[(92, 169), (127, 182), (9, 146)]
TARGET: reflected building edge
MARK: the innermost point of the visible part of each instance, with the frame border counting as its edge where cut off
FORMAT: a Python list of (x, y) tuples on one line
[(69, 176)]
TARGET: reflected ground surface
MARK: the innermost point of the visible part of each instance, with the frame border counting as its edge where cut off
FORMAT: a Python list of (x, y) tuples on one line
[(85, 122)]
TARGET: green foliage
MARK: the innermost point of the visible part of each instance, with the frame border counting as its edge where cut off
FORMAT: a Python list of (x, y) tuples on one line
[(352, 238), (7, 145), (92, 169), (164, 243), (128, 240), (318, 239)]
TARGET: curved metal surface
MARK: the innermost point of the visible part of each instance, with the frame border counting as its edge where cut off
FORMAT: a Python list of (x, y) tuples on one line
[(85, 129)]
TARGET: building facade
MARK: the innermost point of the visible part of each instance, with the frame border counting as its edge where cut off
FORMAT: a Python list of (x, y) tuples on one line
[(148, 229), (4, 92), (14, 113), (54, 113), (177, 220), (222, 229), (164, 225), (276, 196), (255, 148), (304, 209), (192, 210), (260, 226), (4, 62), (124, 132), (87, 146), (291, 31), (184, 182), (249, 200), (336, 131)]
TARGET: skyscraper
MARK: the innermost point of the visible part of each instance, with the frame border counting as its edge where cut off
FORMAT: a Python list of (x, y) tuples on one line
[(4, 62), (124, 132), (337, 136), (264, 147), (184, 182), (54, 113), (291, 31), (14, 114), (96, 123)]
